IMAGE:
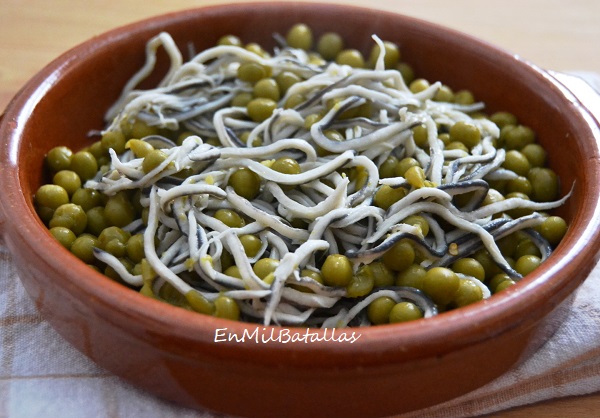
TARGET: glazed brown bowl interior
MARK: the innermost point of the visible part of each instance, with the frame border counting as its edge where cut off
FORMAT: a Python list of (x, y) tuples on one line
[(171, 352)]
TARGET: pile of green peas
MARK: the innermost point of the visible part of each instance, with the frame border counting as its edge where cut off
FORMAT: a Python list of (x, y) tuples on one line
[(82, 219)]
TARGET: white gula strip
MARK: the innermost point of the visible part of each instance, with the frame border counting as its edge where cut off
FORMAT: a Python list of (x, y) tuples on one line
[(345, 126)]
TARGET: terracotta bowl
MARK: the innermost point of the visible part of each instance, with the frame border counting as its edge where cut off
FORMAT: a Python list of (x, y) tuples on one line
[(390, 369)]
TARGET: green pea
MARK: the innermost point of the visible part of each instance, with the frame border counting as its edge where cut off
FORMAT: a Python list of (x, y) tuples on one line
[(51, 196), (553, 229), (388, 167), (457, 145), (137, 269), (486, 260), (504, 285), (420, 136), (199, 303), (330, 44), (113, 233), (526, 247), (294, 100), (226, 260), (441, 284), (464, 97), (335, 103), (245, 182), (84, 164), (226, 307), (63, 235), (535, 154), (251, 72), (412, 276), (265, 266), (256, 49), (315, 275), (83, 248), (400, 256), (167, 293), (470, 267), (311, 119), (140, 129), (465, 133), (491, 197), (139, 148), (405, 311), (407, 72), (445, 138), (418, 85), (544, 183), (266, 88), (68, 180), (467, 293), (391, 58), (315, 59), (518, 212), (261, 108), (359, 176), (526, 264), (508, 245), (148, 273), (404, 164), (233, 271), (386, 196), (153, 159), (517, 162), (98, 151), (87, 198), (147, 291), (59, 158), (229, 40), (144, 215), (230, 218), (307, 273), (444, 94), (361, 283), (70, 216), (252, 244), (419, 221), (519, 137), (244, 136), (96, 221), (337, 270), (502, 119), (135, 248), (242, 99), (416, 177), (285, 80), (119, 210), (300, 36), (286, 165), (379, 310), (113, 140), (116, 248), (519, 185), (496, 280), (382, 275), (334, 135), (350, 57)]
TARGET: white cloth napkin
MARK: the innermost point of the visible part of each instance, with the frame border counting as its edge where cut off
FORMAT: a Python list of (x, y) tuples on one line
[(43, 376)]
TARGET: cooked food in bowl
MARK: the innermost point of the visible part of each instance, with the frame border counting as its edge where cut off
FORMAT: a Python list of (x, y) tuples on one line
[(305, 186), (172, 352)]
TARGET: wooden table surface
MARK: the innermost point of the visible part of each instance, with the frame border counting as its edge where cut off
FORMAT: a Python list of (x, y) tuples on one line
[(554, 34)]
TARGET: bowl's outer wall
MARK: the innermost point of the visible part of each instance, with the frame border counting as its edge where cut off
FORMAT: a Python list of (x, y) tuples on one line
[(172, 353)]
